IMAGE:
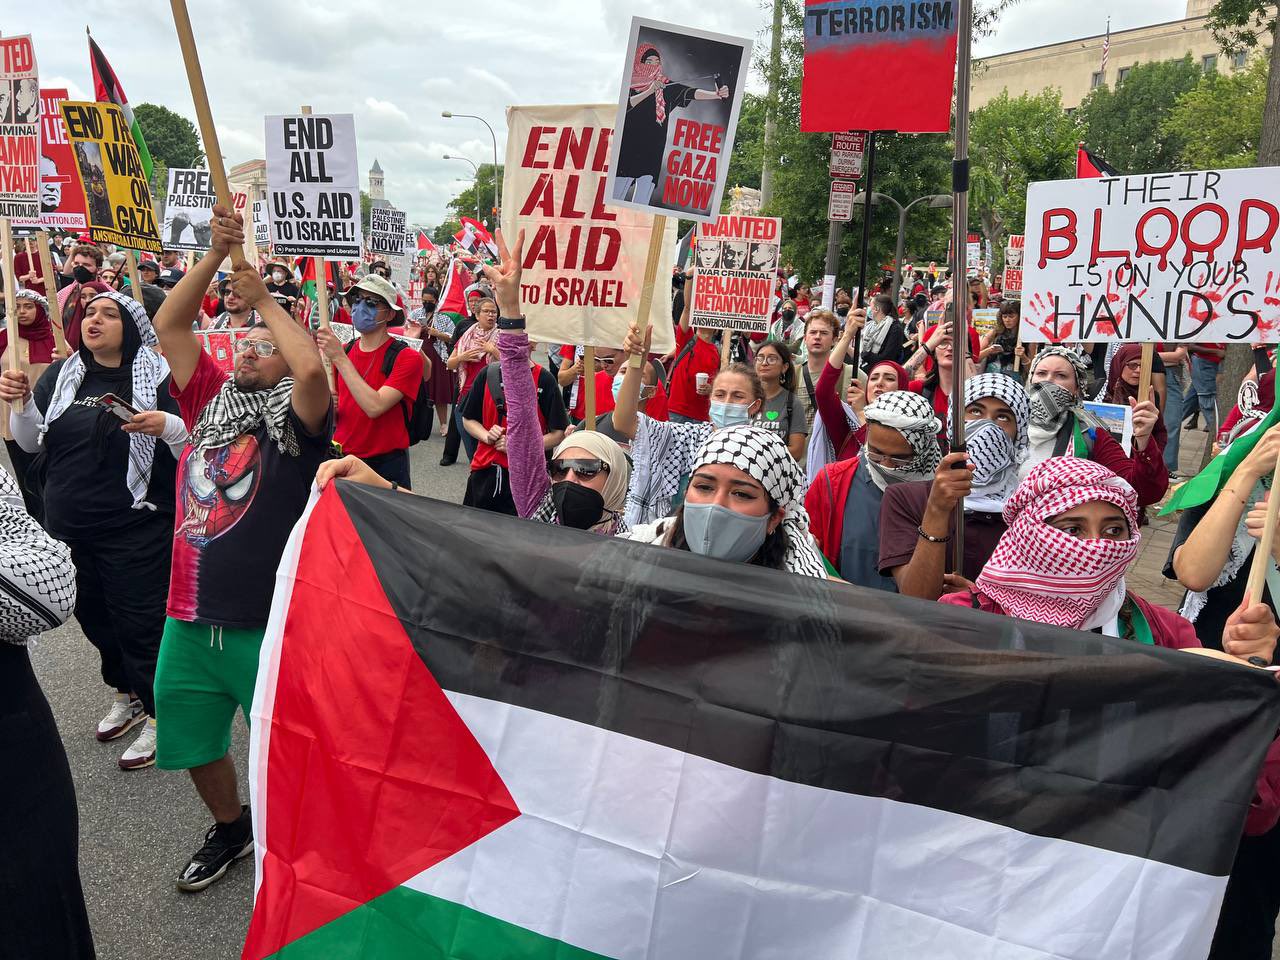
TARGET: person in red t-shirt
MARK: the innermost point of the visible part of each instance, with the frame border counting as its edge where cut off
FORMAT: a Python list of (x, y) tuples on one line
[(695, 354), (571, 373), (372, 402)]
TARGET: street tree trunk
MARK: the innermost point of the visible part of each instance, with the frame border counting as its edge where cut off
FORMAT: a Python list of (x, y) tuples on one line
[(771, 107)]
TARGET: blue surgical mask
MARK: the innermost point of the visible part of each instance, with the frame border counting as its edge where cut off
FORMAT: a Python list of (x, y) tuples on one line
[(729, 414), (723, 534), (617, 384), (364, 317)]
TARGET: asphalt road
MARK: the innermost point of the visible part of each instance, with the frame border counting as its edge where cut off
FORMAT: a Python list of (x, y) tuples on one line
[(138, 829)]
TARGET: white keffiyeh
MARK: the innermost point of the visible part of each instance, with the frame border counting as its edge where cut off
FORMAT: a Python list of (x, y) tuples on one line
[(995, 457), (149, 368), (661, 454)]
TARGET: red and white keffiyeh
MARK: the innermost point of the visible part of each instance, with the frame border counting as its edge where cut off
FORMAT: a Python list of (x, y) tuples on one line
[(643, 74), (1039, 573)]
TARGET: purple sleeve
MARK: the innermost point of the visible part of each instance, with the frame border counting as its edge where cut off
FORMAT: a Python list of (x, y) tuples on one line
[(525, 454)]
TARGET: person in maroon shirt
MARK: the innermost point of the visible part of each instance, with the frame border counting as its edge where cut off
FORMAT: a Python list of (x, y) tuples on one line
[(374, 404), (695, 354)]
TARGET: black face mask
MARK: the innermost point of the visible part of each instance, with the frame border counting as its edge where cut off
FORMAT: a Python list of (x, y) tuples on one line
[(82, 274), (788, 314), (428, 307), (842, 311), (577, 506)]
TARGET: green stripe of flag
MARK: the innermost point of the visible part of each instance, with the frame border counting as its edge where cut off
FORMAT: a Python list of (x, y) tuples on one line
[(404, 923), (141, 143), (1204, 486)]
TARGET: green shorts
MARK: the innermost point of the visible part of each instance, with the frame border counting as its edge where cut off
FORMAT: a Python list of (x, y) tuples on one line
[(203, 675)]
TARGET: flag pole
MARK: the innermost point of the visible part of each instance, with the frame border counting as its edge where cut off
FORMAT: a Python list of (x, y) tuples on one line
[(959, 253), (322, 302), (10, 294)]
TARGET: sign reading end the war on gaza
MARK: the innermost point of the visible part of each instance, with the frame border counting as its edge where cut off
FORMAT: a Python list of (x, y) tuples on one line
[(1159, 257)]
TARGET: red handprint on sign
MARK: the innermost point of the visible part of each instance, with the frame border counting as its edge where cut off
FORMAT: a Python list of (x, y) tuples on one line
[(1041, 314)]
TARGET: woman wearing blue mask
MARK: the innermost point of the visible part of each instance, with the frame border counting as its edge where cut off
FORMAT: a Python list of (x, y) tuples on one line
[(662, 454), (745, 504)]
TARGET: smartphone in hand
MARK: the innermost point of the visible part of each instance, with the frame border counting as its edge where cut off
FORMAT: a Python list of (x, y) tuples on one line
[(117, 406)]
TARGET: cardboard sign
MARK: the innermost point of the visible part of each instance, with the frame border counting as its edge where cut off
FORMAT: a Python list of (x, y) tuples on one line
[(847, 151), (221, 346), (737, 260), (1166, 257), (117, 195), (386, 231), (583, 262), (985, 319), (1012, 283), (188, 210), (313, 186), (840, 203), (261, 226), (19, 133), (677, 113), (902, 54)]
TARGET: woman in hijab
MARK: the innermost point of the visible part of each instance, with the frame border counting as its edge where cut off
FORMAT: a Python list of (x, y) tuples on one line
[(1060, 426), (1123, 378), (35, 350), (97, 417), (744, 505)]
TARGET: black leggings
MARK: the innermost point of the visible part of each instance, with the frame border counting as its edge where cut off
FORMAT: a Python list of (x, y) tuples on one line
[(1247, 923), (28, 479), (122, 582)]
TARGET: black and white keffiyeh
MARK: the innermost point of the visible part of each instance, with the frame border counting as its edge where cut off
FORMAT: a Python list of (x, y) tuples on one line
[(148, 369), (37, 577), (1051, 403), (763, 455), (1009, 392), (912, 416), (233, 412), (995, 457), (661, 453)]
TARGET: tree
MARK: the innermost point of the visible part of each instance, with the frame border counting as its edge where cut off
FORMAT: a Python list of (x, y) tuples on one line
[(442, 236), (172, 140), (747, 162), (366, 204), (1125, 124), (478, 196), (1016, 141), (1240, 25), (1219, 120)]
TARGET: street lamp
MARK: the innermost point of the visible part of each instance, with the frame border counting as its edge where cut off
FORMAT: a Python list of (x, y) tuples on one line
[(936, 201), (471, 116), (449, 156)]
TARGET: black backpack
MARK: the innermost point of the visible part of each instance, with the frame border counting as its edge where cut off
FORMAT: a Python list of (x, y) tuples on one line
[(418, 411)]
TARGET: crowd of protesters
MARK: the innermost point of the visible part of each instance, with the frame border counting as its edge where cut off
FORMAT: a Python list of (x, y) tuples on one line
[(826, 448)]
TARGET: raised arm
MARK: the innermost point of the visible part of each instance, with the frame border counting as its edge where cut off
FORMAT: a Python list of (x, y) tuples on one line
[(626, 406)]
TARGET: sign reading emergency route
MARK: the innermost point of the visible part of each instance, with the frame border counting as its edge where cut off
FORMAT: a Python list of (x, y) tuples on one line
[(840, 207), (847, 151)]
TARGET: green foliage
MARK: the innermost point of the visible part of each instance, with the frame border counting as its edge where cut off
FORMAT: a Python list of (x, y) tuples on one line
[(1239, 24), (442, 236), (366, 204), (1127, 124), (465, 203), (1016, 141), (748, 144), (1219, 121), (172, 140)]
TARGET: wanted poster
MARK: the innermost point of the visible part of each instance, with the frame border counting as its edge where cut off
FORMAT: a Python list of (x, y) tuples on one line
[(677, 113), (737, 260), (313, 187), (19, 133)]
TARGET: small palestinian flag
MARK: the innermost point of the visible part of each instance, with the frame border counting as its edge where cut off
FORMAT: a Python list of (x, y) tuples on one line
[(481, 738), (475, 238), (424, 244), (1089, 166), (107, 89), (453, 298)]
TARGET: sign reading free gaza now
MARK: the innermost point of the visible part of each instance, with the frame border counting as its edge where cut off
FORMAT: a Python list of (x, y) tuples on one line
[(1163, 257)]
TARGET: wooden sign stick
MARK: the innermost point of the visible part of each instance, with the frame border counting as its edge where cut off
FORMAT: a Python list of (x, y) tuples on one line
[(55, 311), (1262, 552), (656, 236), (726, 344), (589, 385), (135, 284), (1144, 378), (10, 303)]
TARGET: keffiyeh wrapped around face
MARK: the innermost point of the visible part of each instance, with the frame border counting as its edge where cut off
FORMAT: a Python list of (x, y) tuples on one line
[(994, 455), (763, 455), (912, 416), (1038, 572), (643, 74)]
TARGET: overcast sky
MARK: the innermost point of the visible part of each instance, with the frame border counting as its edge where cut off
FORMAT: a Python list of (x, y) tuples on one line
[(396, 67)]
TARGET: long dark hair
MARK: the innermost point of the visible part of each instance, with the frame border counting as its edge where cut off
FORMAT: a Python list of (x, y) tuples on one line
[(772, 553), (788, 379)]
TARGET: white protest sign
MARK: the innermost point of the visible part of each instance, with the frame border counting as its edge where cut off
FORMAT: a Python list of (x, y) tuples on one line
[(188, 210), (19, 133), (313, 187), (583, 262), (261, 228), (1159, 257), (676, 116), (386, 231), (737, 261)]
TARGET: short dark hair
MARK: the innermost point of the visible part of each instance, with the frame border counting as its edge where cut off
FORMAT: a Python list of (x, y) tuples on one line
[(885, 303), (88, 250), (1008, 307)]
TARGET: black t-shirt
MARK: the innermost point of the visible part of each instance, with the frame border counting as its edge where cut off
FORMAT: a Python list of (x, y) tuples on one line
[(1220, 602), (235, 512), (86, 491), (550, 403), (644, 137)]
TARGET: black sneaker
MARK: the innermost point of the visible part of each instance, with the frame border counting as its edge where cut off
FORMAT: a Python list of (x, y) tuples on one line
[(448, 461), (224, 843)]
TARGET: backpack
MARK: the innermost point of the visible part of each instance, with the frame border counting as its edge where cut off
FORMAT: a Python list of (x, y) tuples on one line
[(418, 410)]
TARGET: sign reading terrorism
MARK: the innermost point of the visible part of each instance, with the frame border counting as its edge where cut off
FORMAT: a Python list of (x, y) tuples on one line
[(737, 261), (114, 182), (313, 187), (1157, 257), (19, 133)]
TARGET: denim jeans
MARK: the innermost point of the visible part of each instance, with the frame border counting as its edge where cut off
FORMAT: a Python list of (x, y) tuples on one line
[(1174, 411), (469, 443), (1204, 378)]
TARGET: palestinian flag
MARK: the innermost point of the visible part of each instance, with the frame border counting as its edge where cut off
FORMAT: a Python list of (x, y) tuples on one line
[(309, 288), (453, 296), (1204, 486), (475, 238), (107, 89), (1090, 167), (610, 749), (425, 246)]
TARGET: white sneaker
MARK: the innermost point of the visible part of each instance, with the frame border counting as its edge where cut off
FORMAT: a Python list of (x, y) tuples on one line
[(124, 715), (142, 752)]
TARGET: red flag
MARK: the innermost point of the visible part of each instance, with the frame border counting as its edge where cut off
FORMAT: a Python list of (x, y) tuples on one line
[(1090, 167), (452, 297), (475, 238), (425, 244)]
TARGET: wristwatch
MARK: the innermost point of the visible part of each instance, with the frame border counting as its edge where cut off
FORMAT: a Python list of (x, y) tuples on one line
[(511, 323)]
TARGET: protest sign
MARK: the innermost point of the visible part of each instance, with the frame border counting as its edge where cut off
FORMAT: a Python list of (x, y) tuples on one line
[(62, 205), (19, 133), (1116, 419), (677, 113), (261, 228), (737, 268), (583, 261), (847, 151), (1012, 283), (840, 202), (984, 320), (221, 346), (1158, 258), (114, 183), (386, 231), (313, 187), (188, 210), (913, 47)]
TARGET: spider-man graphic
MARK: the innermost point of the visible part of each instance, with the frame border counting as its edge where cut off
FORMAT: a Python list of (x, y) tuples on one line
[(218, 488)]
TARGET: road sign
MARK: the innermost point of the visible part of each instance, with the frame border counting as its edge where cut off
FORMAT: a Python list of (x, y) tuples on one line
[(847, 150), (840, 206)]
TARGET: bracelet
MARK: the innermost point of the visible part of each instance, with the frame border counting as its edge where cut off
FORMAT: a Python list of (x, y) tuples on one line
[(1259, 662), (925, 536), (394, 486), (928, 350), (511, 323)]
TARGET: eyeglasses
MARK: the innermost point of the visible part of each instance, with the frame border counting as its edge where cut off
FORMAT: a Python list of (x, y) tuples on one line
[(887, 459), (370, 301), (263, 348), (585, 469), (767, 359)]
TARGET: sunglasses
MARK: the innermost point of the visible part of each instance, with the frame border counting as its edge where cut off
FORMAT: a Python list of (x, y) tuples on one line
[(584, 469), (370, 301), (263, 348)]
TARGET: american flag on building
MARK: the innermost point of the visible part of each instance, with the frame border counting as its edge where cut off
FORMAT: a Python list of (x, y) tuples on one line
[(1106, 48)]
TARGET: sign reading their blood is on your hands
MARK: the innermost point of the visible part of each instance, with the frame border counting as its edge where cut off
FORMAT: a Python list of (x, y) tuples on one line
[(1158, 257)]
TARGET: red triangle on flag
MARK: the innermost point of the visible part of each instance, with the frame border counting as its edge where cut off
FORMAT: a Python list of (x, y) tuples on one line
[(360, 799)]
